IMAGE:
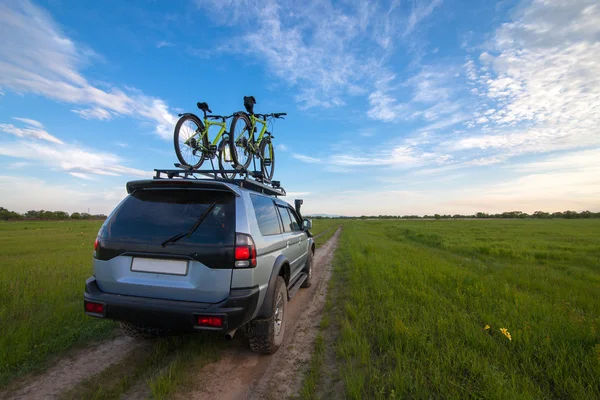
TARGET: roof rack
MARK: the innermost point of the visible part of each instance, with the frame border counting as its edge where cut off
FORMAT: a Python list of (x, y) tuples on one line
[(252, 180)]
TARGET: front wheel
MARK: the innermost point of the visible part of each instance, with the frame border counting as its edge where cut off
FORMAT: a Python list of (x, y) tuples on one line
[(240, 141), (267, 159), (188, 140)]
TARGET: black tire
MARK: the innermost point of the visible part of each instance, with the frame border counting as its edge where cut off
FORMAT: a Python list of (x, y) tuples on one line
[(308, 269), (142, 331), (188, 155), (223, 163), (240, 136), (267, 159), (262, 335)]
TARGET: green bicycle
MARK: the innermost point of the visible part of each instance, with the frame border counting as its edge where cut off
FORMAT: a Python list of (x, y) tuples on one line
[(244, 146), (192, 144)]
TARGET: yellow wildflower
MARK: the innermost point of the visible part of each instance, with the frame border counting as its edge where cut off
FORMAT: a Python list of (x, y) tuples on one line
[(486, 327), (506, 333)]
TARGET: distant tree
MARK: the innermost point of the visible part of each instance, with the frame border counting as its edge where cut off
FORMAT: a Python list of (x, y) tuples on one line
[(85, 216), (75, 215), (437, 216)]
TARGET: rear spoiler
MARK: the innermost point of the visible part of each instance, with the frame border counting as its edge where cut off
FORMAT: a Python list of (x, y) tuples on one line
[(132, 186)]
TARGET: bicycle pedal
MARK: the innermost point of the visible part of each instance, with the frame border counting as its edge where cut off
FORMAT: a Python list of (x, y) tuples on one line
[(276, 183), (212, 148)]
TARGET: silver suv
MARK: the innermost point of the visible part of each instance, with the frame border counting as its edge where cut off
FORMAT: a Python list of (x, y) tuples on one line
[(197, 254)]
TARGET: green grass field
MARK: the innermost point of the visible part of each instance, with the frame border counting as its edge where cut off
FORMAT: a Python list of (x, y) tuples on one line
[(43, 268), (411, 300)]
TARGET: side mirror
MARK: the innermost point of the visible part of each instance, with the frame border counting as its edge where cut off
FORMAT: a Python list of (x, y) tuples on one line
[(306, 224)]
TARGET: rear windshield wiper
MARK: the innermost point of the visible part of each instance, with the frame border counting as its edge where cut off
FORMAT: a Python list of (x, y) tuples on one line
[(192, 229)]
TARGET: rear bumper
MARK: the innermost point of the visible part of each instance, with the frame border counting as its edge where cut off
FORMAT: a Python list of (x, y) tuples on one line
[(236, 310)]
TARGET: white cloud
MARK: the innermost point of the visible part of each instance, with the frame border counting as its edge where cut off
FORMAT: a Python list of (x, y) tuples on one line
[(164, 43), (76, 160), (81, 175), (282, 147), (538, 83), (30, 122), (29, 132), (306, 159), (34, 194), (94, 113), (38, 58), (419, 12), (367, 132), (329, 52)]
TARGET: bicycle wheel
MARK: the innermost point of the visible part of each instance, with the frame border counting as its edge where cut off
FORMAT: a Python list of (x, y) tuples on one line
[(240, 140), (267, 159), (225, 160), (186, 140)]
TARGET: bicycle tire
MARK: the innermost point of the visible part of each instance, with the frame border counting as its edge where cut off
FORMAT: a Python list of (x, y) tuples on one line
[(244, 137), (178, 149), (224, 164), (267, 168)]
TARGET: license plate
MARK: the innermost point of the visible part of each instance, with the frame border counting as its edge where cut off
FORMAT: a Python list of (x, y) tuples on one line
[(159, 266)]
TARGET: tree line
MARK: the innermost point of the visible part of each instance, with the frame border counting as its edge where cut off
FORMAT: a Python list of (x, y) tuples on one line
[(481, 215), (7, 215)]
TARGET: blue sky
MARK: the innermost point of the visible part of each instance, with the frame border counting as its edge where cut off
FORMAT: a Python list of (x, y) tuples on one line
[(401, 107)]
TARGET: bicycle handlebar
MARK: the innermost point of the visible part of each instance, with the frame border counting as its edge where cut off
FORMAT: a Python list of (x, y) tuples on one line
[(274, 115)]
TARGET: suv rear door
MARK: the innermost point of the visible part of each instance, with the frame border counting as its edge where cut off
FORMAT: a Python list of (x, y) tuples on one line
[(295, 239), (135, 256)]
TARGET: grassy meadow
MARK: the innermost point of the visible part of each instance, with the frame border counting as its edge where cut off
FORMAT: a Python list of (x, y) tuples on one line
[(43, 268), (462, 309)]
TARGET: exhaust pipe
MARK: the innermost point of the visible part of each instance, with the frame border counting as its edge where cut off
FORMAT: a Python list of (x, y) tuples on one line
[(229, 335)]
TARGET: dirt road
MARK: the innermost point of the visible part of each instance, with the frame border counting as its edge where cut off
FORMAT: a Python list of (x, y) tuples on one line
[(241, 374)]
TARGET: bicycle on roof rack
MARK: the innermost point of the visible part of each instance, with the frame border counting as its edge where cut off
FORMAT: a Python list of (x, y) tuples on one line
[(244, 147), (192, 144)]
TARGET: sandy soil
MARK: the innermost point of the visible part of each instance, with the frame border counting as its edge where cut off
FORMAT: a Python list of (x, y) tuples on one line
[(241, 374)]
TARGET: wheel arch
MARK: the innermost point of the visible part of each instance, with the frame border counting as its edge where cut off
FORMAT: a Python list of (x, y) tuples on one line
[(280, 268)]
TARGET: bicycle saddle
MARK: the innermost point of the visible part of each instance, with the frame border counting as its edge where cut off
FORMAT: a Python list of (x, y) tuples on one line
[(204, 107), (249, 102)]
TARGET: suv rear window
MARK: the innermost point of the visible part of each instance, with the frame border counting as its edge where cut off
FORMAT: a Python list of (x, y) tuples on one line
[(153, 216), (266, 216)]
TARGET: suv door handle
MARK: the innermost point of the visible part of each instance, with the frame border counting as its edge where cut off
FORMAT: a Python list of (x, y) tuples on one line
[(288, 243)]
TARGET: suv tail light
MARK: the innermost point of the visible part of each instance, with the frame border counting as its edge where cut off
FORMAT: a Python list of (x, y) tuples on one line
[(245, 251), (96, 247)]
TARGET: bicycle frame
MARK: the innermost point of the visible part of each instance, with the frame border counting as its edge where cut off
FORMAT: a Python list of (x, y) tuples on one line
[(255, 120), (207, 125)]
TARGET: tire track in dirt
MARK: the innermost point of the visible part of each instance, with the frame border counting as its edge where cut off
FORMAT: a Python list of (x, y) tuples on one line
[(241, 374), (73, 369)]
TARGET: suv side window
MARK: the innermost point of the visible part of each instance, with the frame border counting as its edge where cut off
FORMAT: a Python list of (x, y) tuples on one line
[(296, 222), (266, 216), (285, 217)]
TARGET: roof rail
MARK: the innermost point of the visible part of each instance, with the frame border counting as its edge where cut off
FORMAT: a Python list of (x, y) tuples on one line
[(252, 180)]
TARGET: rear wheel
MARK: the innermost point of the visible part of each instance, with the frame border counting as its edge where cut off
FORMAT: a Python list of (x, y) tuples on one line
[(142, 331), (225, 159), (267, 159), (266, 336), (240, 138), (187, 139)]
